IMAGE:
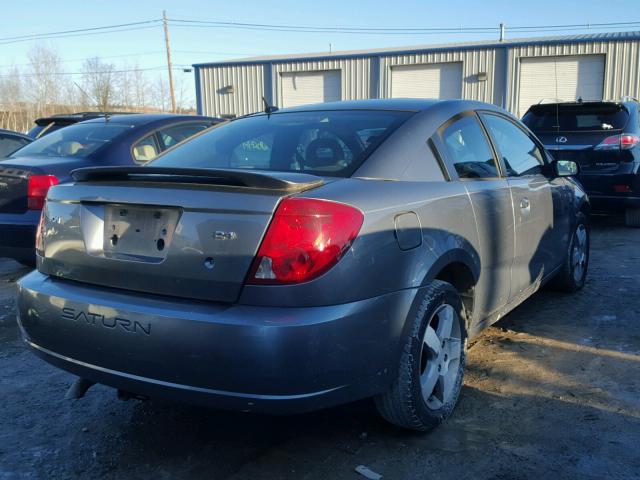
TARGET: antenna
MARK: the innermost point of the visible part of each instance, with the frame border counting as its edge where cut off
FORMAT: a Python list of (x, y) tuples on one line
[(268, 109)]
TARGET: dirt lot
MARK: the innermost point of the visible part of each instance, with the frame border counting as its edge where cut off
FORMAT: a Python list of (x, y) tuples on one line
[(554, 389)]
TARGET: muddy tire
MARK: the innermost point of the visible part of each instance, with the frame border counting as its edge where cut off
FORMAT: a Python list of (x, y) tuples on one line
[(632, 217), (573, 274), (431, 367)]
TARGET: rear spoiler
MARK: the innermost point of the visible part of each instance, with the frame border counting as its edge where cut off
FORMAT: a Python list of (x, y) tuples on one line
[(281, 181)]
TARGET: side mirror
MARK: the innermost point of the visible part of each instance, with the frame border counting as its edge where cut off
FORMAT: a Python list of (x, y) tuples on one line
[(565, 168)]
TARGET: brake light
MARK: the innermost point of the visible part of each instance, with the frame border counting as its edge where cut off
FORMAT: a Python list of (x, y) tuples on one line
[(615, 142), (37, 190), (305, 239), (628, 141)]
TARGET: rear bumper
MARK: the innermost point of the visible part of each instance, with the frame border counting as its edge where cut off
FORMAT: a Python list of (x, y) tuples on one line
[(18, 235), (601, 189), (268, 359)]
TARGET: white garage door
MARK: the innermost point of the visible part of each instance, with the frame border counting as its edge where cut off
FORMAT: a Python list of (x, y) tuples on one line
[(563, 78), (436, 80), (299, 88)]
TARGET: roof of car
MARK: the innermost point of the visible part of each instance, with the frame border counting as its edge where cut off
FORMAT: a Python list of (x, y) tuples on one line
[(400, 104), (144, 118), (17, 134)]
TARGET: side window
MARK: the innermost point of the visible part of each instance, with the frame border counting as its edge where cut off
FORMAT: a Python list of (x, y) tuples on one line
[(8, 145), (468, 149), (175, 134), (519, 152), (146, 149)]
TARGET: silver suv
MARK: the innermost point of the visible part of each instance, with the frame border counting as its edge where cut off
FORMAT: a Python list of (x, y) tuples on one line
[(299, 259)]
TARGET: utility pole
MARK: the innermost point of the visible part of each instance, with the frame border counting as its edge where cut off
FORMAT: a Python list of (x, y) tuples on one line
[(502, 31), (169, 65)]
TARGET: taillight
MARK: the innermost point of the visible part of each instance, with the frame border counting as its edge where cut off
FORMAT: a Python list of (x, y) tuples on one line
[(40, 234), (628, 141), (37, 190), (305, 239), (615, 142)]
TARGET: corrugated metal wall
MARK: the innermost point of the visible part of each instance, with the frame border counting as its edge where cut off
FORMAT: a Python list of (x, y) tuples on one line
[(370, 77), (356, 75), (473, 62), (248, 89), (621, 74)]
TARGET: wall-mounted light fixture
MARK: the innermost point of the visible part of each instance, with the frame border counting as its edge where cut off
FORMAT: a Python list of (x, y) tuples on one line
[(481, 76), (228, 89)]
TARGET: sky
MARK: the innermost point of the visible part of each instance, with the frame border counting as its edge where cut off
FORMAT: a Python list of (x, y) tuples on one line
[(192, 44)]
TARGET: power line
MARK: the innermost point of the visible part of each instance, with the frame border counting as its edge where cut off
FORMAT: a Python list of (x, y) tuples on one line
[(78, 34), (30, 36), (162, 67), (390, 30)]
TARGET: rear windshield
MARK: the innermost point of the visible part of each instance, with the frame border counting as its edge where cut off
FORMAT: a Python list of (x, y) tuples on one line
[(576, 118), (332, 143), (78, 140)]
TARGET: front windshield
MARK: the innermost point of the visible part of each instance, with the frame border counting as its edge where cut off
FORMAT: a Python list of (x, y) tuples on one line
[(78, 140), (332, 143)]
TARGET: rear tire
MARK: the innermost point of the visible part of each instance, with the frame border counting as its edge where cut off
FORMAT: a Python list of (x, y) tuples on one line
[(573, 274), (632, 217), (431, 367)]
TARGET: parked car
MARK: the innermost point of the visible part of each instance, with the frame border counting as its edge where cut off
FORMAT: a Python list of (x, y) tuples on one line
[(11, 141), (602, 137), (304, 258), (27, 174), (50, 124)]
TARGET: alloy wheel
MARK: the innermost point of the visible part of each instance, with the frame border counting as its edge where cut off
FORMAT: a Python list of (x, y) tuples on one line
[(579, 253), (440, 357)]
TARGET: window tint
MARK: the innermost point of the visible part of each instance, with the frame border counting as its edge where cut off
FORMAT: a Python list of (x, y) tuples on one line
[(332, 143), (175, 134), (469, 150), (576, 117), (9, 144), (519, 152), (78, 140), (146, 149)]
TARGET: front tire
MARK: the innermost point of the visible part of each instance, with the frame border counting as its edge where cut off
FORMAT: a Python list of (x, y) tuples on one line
[(573, 274), (431, 367)]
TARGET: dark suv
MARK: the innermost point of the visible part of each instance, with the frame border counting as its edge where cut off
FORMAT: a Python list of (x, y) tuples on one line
[(602, 137)]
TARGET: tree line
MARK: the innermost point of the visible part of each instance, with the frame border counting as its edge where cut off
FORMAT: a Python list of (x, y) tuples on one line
[(42, 88)]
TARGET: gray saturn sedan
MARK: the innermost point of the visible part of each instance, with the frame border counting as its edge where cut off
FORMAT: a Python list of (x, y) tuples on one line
[(297, 259)]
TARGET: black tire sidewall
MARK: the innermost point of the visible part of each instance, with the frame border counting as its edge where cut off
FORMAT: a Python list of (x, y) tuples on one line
[(442, 294), (581, 219)]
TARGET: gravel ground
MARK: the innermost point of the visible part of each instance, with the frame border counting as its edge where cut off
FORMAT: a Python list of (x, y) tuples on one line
[(552, 389)]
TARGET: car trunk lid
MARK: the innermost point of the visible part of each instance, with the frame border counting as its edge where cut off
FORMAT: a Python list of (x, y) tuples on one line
[(172, 231)]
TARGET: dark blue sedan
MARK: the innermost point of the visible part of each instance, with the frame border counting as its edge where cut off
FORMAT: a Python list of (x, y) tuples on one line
[(26, 176)]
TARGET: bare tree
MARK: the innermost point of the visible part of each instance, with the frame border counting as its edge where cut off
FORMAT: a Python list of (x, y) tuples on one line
[(99, 82), (43, 79)]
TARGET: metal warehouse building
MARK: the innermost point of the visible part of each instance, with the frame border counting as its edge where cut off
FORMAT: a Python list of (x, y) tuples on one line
[(513, 73)]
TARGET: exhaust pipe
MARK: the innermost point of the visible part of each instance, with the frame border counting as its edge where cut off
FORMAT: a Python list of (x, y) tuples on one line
[(78, 388)]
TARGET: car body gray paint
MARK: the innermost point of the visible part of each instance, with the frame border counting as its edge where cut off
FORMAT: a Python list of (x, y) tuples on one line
[(401, 176)]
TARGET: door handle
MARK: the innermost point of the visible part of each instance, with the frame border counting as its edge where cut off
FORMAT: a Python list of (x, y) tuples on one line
[(525, 206)]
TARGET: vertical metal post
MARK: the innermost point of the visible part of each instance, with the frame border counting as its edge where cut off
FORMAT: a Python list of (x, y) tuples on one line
[(169, 65), (502, 31)]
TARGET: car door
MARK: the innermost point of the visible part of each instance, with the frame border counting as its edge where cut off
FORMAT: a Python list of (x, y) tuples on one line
[(469, 158), (540, 223)]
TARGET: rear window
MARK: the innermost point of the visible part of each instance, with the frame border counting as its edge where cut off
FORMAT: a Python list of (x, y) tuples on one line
[(332, 143), (78, 140), (576, 118)]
